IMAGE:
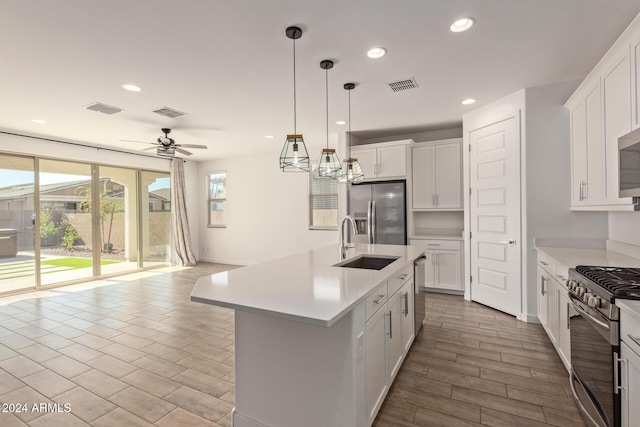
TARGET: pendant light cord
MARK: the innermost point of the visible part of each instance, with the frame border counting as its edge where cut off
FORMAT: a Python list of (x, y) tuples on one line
[(326, 86), (349, 123), (295, 131)]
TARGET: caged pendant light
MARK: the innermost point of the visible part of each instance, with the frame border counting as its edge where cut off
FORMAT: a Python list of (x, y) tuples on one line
[(294, 156), (329, 164), (351, 171)]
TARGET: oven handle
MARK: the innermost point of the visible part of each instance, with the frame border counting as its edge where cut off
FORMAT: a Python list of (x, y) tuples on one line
[(586, 314), (585, 413)]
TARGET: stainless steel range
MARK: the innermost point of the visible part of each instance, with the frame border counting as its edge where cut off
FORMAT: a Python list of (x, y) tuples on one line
[(595, 338)]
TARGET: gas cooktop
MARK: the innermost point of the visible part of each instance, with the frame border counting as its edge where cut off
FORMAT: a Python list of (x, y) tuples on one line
[(620, 282)]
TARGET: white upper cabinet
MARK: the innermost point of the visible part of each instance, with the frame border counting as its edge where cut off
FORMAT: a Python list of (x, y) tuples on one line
[(587, 148), (616, 90), (382, 161), (604, 108), (437, 175)]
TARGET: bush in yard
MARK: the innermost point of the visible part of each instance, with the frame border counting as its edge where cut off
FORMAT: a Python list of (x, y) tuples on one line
[(70, 233)]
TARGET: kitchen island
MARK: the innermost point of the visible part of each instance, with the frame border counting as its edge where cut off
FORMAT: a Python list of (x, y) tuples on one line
[(316, 344)]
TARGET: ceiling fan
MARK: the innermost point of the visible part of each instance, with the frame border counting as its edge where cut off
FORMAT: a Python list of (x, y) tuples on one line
[(166, 146)]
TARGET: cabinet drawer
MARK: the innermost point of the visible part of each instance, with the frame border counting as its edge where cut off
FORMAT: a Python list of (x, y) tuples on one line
[(452, 245), (375, 300), (630, 327), (399, 279), (547, 263)]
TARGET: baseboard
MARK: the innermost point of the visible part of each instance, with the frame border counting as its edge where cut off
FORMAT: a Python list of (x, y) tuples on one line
[(225, 261), (528, 318), (238, 420)]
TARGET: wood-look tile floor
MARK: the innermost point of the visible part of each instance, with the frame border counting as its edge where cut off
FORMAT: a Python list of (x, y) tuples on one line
[(135, 351)]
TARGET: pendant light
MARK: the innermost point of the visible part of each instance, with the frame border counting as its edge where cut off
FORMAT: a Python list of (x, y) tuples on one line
[(329, 164), (351, 170), (294, 156)]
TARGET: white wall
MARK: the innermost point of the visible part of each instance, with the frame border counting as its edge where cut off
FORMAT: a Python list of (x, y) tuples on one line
[(267, 212), (625, 227)]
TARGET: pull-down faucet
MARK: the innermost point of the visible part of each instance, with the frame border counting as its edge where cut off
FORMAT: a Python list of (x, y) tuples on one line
[(343, 244)]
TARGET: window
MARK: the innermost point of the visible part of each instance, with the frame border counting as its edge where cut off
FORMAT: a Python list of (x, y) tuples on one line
[(217, 195), (323, 202)]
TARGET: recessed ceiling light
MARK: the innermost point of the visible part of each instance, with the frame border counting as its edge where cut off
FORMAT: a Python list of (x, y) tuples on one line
[(269, 136), (468, 101), (462, 25), (377, 52), (132, 88), (341, 122), (39, 121)]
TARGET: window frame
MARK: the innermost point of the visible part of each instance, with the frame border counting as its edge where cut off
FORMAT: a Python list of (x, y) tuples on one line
[(211, 199)]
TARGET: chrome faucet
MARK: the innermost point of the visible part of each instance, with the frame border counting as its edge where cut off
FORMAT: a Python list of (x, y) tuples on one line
[(343, 245)]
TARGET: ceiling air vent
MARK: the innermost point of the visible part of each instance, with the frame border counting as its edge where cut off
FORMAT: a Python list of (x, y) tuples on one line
[(103, 108), (401, 85), (169, 112)]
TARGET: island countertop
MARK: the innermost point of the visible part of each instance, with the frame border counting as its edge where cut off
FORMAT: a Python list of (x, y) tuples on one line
[(305, 287)]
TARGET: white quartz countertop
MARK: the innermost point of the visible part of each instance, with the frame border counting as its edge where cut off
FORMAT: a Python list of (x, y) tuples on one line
[(630, 306), (570, 257), (305, 287)]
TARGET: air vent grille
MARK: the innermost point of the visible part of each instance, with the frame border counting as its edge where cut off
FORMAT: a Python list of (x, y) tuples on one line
[(169, 112), (401, 85), (103, 108)]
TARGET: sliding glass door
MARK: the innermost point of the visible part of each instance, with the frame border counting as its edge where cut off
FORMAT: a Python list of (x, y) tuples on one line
[(156, 217), (66, 224), (17, 223)]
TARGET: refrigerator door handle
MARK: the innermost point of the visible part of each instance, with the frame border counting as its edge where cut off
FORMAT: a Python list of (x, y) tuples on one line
[(369, 221), (373, 222)]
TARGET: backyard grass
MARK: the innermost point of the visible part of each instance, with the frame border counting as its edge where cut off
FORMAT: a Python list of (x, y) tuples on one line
[(75, 262)]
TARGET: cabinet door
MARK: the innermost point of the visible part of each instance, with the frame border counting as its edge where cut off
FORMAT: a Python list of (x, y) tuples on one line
[(392, 161), (595, 148), (616, 90), (447, 273), (367, 159), (635, 74), (375, 366), (543, 298), (430, 270), (448, 176), (564, 342), (407, 297), (578, 154), (553, 311), (424, 163), (394, 336), (630, 394)]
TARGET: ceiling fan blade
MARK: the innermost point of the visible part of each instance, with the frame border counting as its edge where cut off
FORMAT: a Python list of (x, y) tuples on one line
[(192, 146), (140, 142), (185, 152), (148, 148)]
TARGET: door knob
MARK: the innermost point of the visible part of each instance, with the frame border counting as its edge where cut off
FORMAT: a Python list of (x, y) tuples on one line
[(508, 242)]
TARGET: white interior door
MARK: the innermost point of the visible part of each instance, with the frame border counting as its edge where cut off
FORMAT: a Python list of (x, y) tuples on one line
[(495, 215)]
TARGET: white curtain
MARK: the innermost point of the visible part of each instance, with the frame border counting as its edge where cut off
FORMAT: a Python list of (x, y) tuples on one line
[(181, 252)]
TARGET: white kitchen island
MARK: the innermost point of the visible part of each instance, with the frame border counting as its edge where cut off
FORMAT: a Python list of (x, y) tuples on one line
[(316, 344)]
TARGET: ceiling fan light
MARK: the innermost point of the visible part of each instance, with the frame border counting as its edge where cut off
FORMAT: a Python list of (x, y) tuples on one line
[(351, 172), (462, 25), (294, 156)]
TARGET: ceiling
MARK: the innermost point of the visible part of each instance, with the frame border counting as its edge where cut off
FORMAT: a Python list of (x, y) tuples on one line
[(229, 65)]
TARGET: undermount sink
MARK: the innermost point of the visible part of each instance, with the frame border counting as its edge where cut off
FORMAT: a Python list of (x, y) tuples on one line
[(368, 262)]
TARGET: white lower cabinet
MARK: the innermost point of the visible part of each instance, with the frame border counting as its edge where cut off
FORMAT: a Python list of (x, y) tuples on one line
[(389, 333), (444, 264), (630, 382), (554, 309)]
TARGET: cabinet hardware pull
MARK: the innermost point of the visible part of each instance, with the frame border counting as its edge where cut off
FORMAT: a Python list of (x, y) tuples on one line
[(542, 280), (544, 263), (403, 276), (377, 300), (434, 244), (568, 317), (620, 386), (390, 325), (406, 304), (437, 200), (616, 384)]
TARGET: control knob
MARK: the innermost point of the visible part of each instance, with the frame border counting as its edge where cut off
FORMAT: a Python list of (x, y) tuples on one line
[(572, 284), (580, 290), (586, 297), (594, 301)]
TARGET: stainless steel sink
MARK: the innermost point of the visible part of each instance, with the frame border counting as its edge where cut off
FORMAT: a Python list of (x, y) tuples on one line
[(369, 262)]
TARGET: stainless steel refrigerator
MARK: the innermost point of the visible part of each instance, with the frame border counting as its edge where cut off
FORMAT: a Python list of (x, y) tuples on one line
[(379, 209)]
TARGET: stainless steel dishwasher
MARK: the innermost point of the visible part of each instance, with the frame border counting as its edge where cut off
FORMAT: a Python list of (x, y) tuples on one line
[(419, 280)]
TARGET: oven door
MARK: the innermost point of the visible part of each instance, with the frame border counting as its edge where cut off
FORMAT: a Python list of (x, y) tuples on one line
[(594, 341)]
